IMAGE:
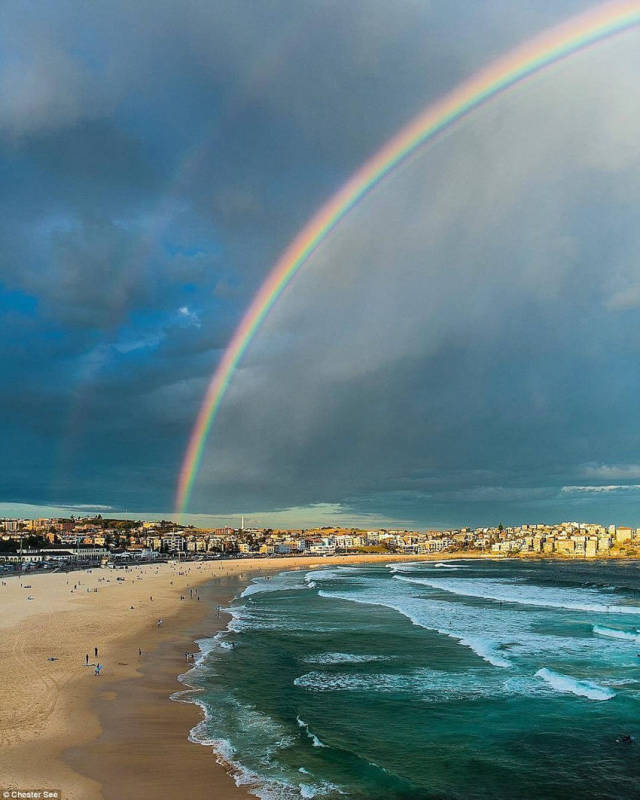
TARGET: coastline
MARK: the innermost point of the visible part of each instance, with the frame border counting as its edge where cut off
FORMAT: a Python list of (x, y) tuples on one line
[(63, 728), (113, 736), (144, 729)]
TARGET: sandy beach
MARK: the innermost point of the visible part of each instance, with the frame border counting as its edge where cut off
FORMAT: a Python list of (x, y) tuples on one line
[(115, 735)]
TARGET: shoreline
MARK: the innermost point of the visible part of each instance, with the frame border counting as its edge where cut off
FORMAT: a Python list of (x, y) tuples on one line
[(145, 725), (54, 711), (113, 736)]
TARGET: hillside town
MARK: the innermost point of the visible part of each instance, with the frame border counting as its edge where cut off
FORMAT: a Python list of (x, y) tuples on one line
[(48, 543)]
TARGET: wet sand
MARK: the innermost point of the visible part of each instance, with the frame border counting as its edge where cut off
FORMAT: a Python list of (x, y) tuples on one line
[(143, 751)]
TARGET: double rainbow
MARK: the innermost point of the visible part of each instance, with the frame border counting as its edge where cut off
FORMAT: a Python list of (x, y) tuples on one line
[(534, 55)]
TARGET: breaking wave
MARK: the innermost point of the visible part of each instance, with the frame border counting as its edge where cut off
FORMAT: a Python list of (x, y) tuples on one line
[(305, 727), (614, 633), (581, 688), (279, 583), (432, 617), (510, 591)]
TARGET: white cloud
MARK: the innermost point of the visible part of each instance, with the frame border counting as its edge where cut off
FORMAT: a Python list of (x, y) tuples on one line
[(89, 507), (600, 489), (189, 316), (624, 299), (139, 343), (611, 471), (32, 511)]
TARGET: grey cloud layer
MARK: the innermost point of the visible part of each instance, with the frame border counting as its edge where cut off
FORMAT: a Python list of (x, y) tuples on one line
[(466, 328), (461, 319)]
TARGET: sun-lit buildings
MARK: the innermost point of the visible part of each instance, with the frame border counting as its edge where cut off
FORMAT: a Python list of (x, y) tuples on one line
[(37, 540)]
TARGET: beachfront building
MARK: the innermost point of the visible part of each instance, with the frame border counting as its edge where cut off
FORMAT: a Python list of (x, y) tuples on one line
[(57, 554), (127, 539), (322, 547), (436, 545), (623, 535), (509, 546), (173, 542)]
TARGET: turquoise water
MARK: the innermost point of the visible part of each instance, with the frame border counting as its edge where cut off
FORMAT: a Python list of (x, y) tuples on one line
[(460, 679)]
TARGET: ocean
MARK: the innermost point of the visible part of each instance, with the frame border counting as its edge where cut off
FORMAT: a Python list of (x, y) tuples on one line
[(450, 680)]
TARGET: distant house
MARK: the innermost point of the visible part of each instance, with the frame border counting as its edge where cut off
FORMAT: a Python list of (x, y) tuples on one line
[(623, 534)]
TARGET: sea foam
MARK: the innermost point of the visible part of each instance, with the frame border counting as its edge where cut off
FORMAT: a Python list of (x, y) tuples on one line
[(567, 684), (261, 786), (406, 566), (486, 649), (511, 591), (314, 739), (279, 583), (265, 787), (431, 616), (425, 685), (345, 658), (614, 633)]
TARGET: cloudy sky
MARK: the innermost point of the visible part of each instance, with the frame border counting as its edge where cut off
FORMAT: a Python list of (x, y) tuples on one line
[(463, 349)]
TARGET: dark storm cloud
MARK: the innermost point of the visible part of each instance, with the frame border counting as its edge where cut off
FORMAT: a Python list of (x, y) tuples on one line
[(157, 157), (467, 362)]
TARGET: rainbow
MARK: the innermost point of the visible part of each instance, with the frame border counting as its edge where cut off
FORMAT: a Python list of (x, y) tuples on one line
[(573, 35)]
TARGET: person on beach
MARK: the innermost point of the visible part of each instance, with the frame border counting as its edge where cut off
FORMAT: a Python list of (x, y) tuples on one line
[(139, 651), (95, 652), (86, 660), (98, 668)]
